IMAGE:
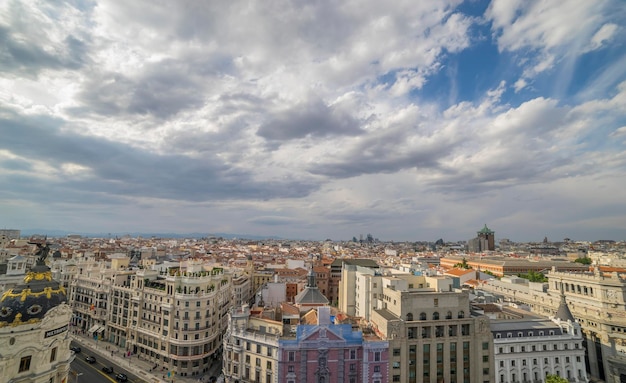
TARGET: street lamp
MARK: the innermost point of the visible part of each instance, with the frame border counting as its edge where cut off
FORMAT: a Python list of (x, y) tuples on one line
[(77, 375)]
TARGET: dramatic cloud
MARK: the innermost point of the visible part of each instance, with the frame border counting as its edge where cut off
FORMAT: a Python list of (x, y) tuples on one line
[(407, 120)]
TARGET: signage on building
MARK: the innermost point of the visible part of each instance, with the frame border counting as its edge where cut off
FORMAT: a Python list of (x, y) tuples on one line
[(56, 331)]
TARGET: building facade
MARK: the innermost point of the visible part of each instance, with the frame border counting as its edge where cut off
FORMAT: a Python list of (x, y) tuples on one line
[(597, 302), (529, 350), (434, 338), (34, 328)]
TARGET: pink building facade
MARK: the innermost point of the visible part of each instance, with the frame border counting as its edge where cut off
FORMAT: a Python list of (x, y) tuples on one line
[(332, 354)]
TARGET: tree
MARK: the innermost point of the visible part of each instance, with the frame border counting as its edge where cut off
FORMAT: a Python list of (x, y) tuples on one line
[(583, 260), (534, 276), (555, 379), (463, 264)]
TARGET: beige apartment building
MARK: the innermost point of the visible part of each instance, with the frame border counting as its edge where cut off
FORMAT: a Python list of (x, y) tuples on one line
[(173, 315), (432, 334)]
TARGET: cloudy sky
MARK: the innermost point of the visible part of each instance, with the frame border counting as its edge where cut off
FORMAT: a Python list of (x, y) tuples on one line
[(410, 120)]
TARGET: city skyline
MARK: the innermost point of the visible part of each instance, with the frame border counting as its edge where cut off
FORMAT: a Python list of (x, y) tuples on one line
[(410, 121)]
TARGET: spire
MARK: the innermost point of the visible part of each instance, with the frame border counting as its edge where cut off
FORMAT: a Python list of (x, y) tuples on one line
[(311, 278), (563, 313)]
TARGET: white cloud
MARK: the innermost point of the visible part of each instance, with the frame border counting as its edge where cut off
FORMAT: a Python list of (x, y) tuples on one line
[(315, 117), (554, 29), (603, 35), (520, 84)]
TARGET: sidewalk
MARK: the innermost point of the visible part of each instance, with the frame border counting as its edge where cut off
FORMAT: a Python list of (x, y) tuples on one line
[(140, 367)]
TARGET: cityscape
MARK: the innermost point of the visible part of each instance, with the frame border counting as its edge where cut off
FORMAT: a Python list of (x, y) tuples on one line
[(212, 309), (284, 191)]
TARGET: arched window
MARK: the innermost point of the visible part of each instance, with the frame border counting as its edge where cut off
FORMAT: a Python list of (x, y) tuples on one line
[(409, 317), (435, 315), (422, 316), (449, 315), (461, 314)]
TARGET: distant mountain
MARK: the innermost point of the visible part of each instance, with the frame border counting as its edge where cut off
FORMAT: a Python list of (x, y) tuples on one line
[(63, 233)]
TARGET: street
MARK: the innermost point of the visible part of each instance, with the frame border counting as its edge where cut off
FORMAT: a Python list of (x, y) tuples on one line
[(83, 372)]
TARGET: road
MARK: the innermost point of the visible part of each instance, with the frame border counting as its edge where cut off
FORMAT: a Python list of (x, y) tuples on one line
[(92, 373)]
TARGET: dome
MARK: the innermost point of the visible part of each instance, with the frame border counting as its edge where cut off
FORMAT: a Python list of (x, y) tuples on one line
[(29, 301)]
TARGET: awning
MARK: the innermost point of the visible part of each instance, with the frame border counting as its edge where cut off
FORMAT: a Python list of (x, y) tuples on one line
[(100, 329), (93, 328)]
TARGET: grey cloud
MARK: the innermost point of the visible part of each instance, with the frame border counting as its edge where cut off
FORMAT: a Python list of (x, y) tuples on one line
[(388, 151), (27, 58), (309, 119), (162, 90), (273, 220), (123, 170)]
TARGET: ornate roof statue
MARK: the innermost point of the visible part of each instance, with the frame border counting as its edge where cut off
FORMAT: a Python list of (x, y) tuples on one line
[(42, 249), (28, 302)]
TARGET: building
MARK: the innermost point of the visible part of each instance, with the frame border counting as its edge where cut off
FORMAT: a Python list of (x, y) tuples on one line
[(10, 233), (310, 297), (526, 350), (501, 266), (250, 347), (433, 338), (597, 302), (485, 240), (178, 316), (173, 315), (34, 328), (326, 352), (336, 280), (267, 347)]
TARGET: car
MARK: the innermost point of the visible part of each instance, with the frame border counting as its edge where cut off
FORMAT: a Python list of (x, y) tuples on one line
[(75, 349), (108, 370), (121, 377), (90, 359)]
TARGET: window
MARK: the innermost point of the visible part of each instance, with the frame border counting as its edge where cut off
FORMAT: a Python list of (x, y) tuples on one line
[(291, 356), (352, 354), (485, 358), (258, 348), (53, 355), (25, 363), (396, 378), (291, 369), (377, 356), (422, 316), (396, 352), (485, 345), (376, 368), (435, 315)]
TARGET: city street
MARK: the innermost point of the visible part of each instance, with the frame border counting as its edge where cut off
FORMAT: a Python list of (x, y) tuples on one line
[(83, 372)]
